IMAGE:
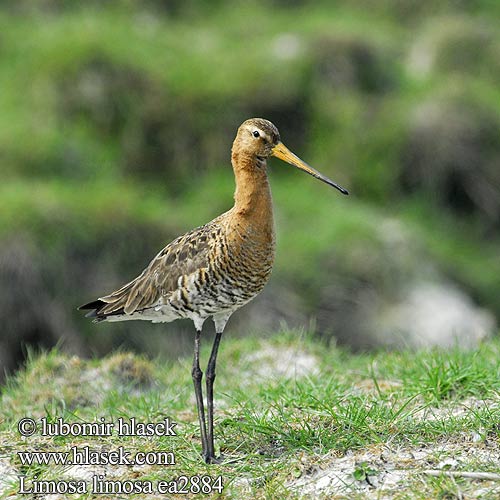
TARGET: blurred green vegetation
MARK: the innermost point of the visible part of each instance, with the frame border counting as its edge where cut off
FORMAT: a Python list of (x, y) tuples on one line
[(117, 120)]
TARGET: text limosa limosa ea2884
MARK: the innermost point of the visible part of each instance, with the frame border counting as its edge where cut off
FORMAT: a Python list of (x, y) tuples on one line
[(214, 269)]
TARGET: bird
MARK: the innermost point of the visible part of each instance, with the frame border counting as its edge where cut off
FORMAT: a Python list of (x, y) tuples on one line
[(213, 270)]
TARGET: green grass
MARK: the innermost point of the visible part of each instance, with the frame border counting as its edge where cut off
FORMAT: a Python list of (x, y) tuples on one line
[(277, 427)]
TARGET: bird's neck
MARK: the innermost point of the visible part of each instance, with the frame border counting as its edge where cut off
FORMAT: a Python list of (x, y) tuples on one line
[(252, 197)]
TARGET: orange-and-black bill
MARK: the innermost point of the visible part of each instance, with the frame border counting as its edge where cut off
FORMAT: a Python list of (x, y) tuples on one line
[(283, 153)]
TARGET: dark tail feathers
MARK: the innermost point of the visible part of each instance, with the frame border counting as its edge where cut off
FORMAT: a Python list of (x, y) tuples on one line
[(94, 309)]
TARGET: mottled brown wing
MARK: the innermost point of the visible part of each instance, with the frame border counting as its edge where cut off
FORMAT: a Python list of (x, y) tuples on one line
[(183, 256)]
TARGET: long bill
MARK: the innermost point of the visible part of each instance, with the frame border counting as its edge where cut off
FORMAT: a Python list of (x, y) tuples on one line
[(283, 153)]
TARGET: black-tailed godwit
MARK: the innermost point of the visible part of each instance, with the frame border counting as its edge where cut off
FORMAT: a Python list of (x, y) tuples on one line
[(214, 269)]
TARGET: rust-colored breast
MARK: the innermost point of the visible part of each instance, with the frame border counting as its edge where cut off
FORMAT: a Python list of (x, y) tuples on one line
[(245, 258)]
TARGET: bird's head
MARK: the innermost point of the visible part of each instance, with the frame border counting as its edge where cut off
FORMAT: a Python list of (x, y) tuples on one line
[(260, 139)]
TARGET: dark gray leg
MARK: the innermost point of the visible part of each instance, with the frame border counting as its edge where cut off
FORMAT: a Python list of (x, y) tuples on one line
[(197, 375), (210, 398)]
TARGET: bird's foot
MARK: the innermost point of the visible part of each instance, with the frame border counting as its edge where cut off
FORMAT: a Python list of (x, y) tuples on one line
[(211, 459)]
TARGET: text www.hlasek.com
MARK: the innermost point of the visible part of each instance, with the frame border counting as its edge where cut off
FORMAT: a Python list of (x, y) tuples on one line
[(87, 456)]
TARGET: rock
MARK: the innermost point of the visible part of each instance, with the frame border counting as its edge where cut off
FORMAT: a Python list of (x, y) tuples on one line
[(385, 290), (432, 314)]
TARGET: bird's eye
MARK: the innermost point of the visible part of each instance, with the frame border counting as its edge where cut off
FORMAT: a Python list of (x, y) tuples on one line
[(256, 133)]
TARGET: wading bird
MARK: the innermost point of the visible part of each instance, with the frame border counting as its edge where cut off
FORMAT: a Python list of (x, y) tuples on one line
[(214, 269)]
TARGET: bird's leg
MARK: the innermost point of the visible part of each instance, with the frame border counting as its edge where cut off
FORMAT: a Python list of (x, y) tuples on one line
[(197, 375), (210, 376)]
